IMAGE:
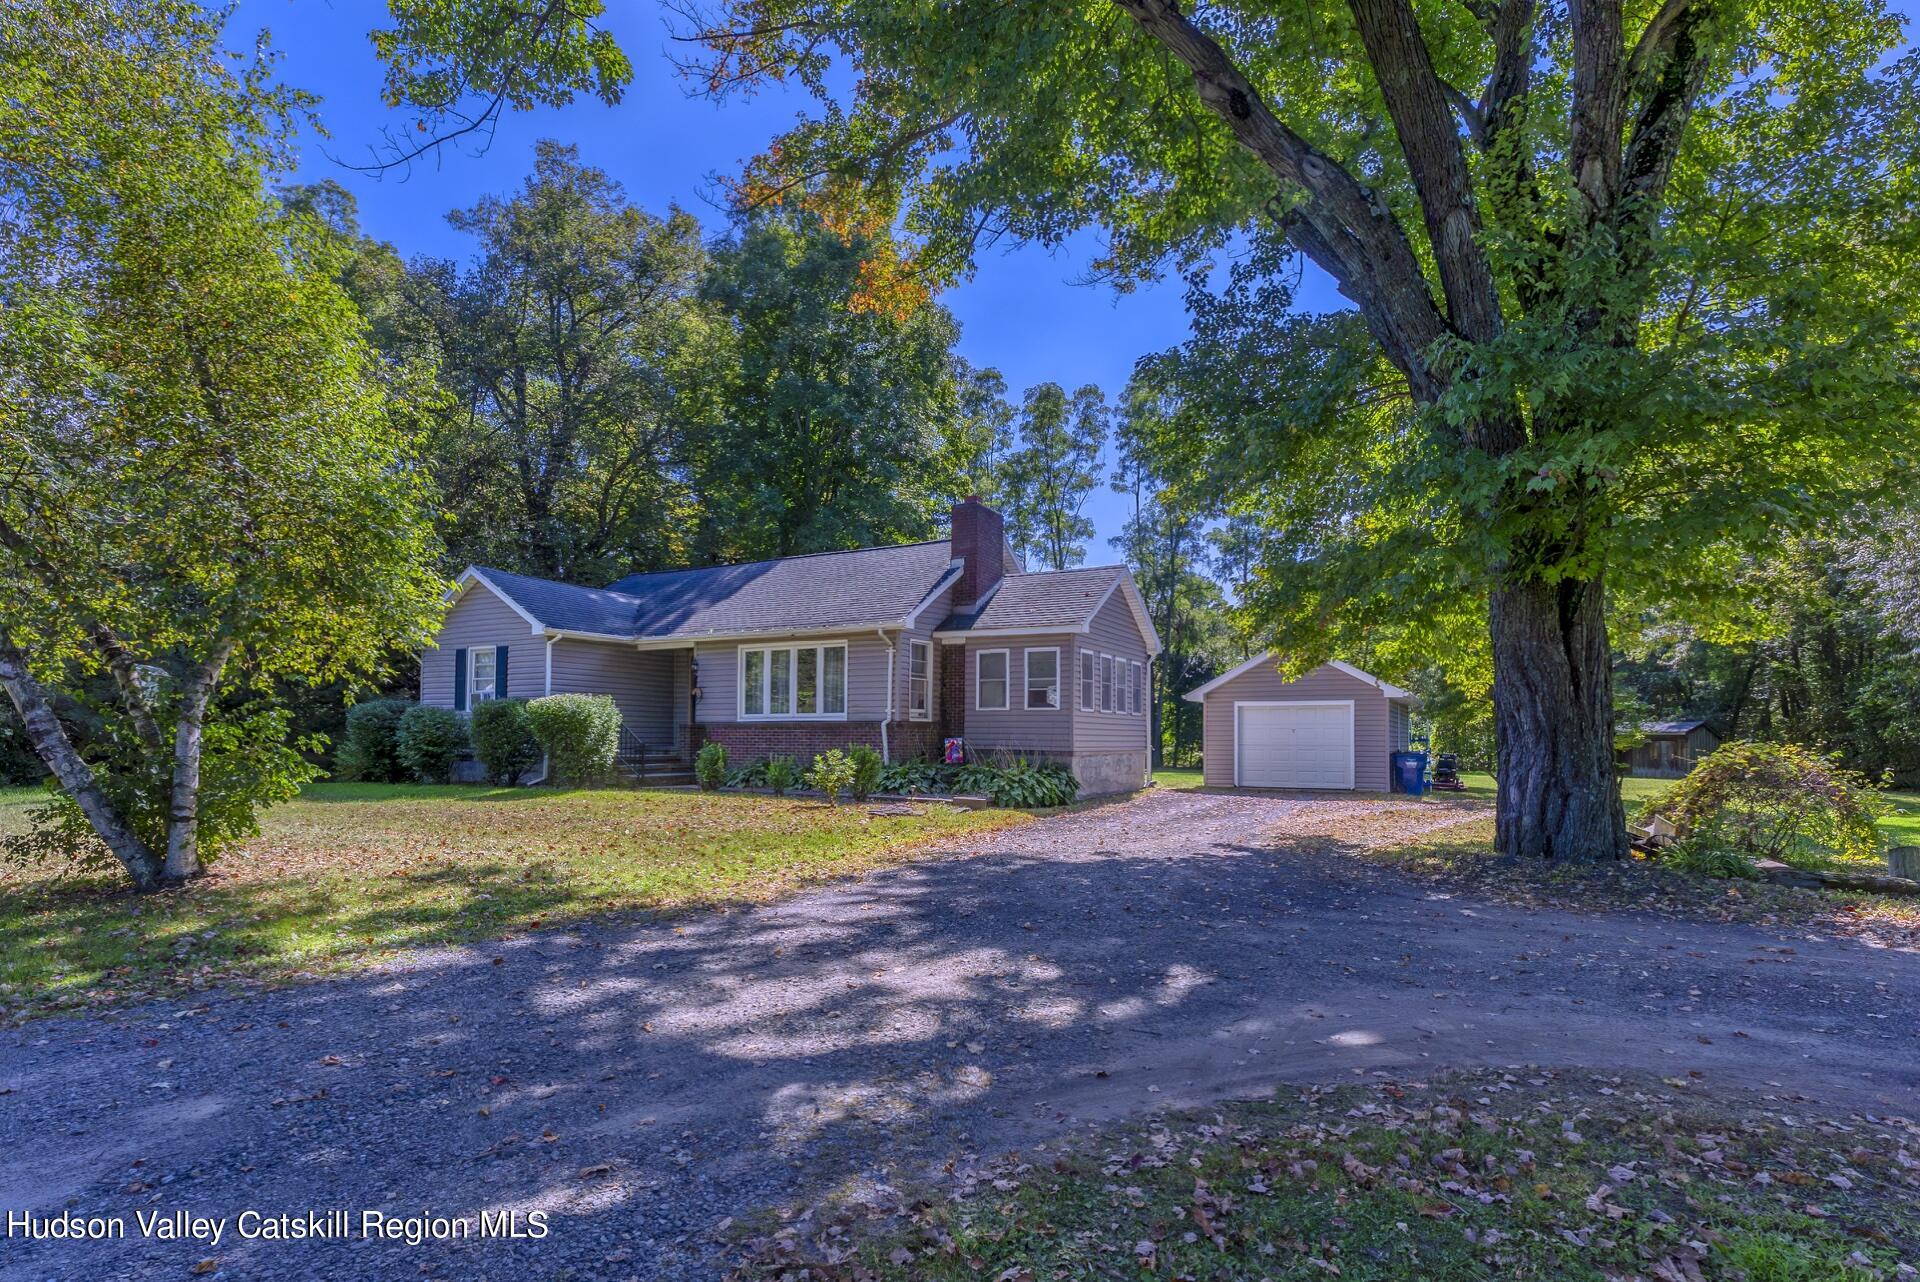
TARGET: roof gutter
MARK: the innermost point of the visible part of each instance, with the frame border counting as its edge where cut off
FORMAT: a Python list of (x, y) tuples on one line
[(555, 634), (762, 634)]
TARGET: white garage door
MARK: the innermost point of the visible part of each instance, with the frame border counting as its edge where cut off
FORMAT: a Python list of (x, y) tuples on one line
[(1293, 745)]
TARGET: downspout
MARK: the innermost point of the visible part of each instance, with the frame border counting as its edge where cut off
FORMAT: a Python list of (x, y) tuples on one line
[(546, 762), (886, 757)]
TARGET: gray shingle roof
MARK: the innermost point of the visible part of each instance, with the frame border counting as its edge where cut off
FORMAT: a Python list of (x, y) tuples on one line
[(1044, 599), (567, 606), (862, 588), (1670, 727)]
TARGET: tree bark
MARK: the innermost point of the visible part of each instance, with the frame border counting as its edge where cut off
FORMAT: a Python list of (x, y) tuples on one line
[(58, 754), (1553, 711), (183, 811)]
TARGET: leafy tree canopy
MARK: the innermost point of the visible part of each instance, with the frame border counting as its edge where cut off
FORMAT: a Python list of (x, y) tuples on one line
[(209, 482), (1639, 271)]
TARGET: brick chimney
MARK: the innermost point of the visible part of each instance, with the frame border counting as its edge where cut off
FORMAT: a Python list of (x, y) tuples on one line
[(980, 540)]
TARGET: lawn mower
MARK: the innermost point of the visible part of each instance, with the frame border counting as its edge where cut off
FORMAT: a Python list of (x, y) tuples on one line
[(1446, 772)]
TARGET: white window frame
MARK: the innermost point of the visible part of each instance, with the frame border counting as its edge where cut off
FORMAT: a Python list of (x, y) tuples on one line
[(1006, 701), (1026, 679), (1106, 683), (1138, 702), (474, 693), (1089, 681), (793, 651), (924, 712)]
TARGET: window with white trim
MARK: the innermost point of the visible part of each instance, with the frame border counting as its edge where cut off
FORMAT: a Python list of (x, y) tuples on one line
[(1087, 660), (1106, 683), (990, 681), (920, 680), (794, 682), (1043, 677), (481, 682), (1138, 702)]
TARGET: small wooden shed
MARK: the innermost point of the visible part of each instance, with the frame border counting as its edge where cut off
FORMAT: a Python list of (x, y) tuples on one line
[(1671, 748), (1336, 727)]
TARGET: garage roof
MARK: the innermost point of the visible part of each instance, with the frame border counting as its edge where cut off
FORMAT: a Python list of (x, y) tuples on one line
[(1387, 688)]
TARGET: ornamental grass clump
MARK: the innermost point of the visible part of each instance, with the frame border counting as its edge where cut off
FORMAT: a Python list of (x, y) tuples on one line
[(1776, 801)]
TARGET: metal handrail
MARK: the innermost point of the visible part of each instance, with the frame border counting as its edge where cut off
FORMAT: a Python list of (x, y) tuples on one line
[(632, 752)]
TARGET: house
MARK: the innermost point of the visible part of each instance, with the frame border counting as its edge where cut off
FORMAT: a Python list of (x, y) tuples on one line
[(1336, 727), (1670, 749), (897, 647)]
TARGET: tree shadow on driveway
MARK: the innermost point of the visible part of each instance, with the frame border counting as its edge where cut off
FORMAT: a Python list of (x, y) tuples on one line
[(643, 1082)]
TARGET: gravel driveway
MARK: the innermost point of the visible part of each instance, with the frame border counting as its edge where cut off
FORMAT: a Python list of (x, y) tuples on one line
[(640, 1083)]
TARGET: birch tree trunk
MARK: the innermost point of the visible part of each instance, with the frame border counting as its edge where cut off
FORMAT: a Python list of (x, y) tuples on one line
[(183, 812), (57, 753)]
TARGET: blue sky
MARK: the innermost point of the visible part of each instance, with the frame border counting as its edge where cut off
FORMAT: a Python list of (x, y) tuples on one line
[(1023, 313)]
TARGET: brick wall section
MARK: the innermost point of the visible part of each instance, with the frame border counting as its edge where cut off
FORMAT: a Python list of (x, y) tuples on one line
[(978, 541), (749, 741), (912, 740), (953, 691)]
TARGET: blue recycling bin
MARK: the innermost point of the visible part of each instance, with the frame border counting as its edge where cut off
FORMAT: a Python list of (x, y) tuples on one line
[(1410, 773)]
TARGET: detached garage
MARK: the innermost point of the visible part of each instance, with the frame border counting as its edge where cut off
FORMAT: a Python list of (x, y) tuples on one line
[(1333, 728)]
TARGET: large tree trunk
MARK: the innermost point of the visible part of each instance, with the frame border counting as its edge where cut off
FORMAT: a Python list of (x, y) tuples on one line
[(183, 812), (58, 754), (1553, 709)]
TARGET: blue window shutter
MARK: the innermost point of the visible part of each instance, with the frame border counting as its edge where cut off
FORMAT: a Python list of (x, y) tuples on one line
[(499, 672), (460, 680)]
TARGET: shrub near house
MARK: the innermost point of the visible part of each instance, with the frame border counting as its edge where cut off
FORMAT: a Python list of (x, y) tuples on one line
[(1774, 801), (370, 752), (429, 741), (580, 733), (503, 740)]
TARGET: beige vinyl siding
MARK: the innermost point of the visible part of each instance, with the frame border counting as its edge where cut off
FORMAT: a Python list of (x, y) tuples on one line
[(1263, 683), (682, 683), (479, 618), (1019, 728), (1399, 727), (1115, 632), (866, 676), (640, 681)]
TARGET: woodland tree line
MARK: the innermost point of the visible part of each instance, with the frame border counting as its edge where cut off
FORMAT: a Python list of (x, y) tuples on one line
[(1623, 413), (617, 390)]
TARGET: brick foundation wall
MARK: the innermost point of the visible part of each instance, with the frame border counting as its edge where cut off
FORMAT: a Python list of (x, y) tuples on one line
[(914, 739), (748, 741)]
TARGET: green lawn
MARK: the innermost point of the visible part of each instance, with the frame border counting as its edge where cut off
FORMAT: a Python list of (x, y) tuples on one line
[(353, 871), (1633, 791), (1184, 780), (1543, 1176), (1481, 786), (1902, 827)]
